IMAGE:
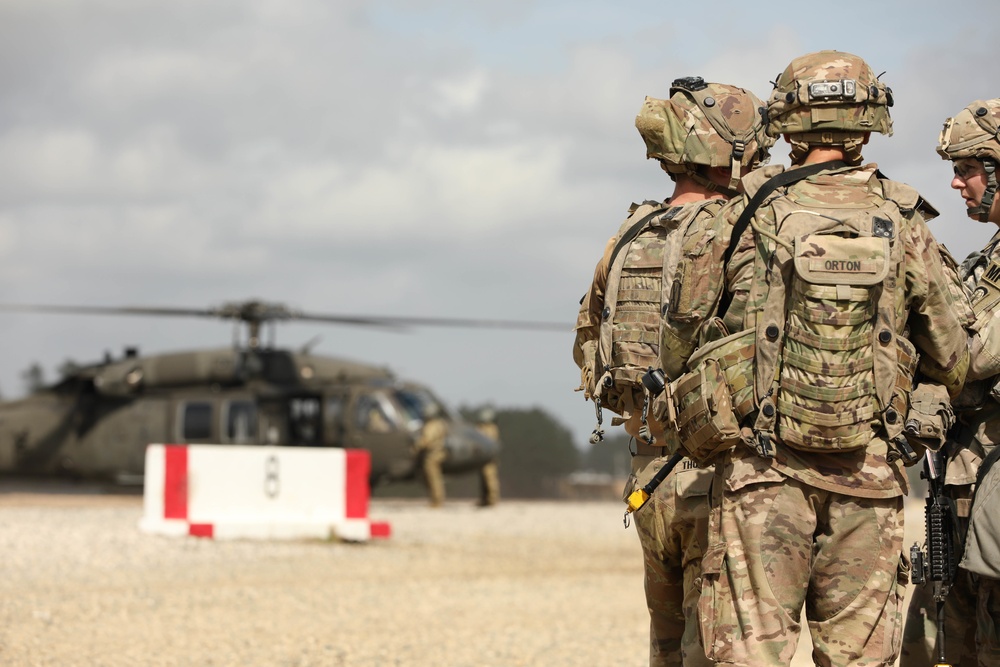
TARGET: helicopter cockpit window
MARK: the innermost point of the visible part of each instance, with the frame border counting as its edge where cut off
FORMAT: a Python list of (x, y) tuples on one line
[(241, 422), (196, 421), (416, 403), (370, 414)]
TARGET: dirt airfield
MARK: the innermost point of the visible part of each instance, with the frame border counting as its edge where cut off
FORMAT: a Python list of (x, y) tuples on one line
[(546, 584)]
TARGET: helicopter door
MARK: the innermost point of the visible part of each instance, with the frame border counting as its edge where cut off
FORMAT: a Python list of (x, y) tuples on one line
[(305, 421), (240, 422), (335, 419)]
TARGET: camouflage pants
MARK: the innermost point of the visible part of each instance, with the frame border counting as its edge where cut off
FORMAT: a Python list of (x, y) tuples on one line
[(671, 528), (777, 545)]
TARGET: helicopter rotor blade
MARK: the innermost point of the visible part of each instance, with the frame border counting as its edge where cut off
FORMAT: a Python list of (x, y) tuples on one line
[(106, 310), (250, 312), (454, 322), (258, 312)]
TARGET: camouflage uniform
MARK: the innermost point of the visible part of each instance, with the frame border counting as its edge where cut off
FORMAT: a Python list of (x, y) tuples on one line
[(669, 526), (627, 293), (814, 527), (972, 607), (489, 474), (431, 452)]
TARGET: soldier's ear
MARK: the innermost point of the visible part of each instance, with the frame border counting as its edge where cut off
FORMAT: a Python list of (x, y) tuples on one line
[(787, 140), (868, 135)]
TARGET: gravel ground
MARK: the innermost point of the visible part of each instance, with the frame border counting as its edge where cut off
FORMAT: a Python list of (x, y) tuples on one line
[(525, 583)]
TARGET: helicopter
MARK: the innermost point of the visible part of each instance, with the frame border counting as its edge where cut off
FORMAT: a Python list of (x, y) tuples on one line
[(96, 422)]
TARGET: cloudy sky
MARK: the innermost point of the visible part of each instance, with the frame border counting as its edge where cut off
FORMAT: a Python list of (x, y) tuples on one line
[(403, 157)]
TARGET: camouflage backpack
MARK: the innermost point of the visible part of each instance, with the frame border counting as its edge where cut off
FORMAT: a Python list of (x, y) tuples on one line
[(702, 125), (636, 295), (829, 363)]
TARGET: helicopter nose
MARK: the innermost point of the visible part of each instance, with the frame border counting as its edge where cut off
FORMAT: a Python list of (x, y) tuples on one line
[(468, 448)]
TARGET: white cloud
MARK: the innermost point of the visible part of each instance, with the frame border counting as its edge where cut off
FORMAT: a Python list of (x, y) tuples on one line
[(130, 77), (460, 95), (45, 164), (429, 190)]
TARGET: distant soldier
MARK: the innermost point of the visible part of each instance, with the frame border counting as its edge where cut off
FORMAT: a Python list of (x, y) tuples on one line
[(431, 452), (971, 141), (835, 284), (489, 476), (703, 136)]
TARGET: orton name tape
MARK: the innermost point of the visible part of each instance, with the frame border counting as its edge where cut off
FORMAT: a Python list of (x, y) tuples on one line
[(229, 491)]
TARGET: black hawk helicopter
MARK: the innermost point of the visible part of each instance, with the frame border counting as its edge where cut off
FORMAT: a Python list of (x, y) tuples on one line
[(96, 421)]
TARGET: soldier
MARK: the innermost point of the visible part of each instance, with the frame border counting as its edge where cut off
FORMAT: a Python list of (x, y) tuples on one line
[(430, 447), (971, 141), (489, 477), (834, 278), (703, 137)]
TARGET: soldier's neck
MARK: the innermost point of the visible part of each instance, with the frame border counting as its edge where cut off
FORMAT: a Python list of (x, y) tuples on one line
[(687, 191), (823, 154)]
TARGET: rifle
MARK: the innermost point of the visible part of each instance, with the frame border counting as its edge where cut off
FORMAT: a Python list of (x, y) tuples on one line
[(940, 564)]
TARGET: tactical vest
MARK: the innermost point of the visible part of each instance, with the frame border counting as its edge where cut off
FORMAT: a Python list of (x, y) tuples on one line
[(829, 363), (636, 296), (980, 274)]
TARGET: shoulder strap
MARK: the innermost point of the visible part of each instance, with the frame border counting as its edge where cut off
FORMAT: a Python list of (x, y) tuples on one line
[(783, 179), (631, 233), (669, 211)]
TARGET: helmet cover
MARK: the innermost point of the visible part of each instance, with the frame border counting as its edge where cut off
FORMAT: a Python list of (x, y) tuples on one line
[(710, 124), (974, 132), (829, 92)]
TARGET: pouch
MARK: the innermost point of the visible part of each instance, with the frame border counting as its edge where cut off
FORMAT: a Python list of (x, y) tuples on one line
[(706, 423)]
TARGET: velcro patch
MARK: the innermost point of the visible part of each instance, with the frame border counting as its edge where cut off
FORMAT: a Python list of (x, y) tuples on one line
[(829, 259)]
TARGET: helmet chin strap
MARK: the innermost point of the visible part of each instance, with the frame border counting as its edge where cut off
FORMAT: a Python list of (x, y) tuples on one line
[(986, 203), (712, 186), (735, 161)]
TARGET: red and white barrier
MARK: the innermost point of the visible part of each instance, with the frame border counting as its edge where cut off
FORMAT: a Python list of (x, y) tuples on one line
[(229, 491)]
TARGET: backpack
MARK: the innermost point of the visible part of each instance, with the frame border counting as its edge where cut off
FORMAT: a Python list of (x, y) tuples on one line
[(829, 363), (637, 294), (823, 276)]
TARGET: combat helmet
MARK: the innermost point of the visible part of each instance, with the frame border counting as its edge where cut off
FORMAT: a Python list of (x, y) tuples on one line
[(975, 133), (704, 124), (828, 98)]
